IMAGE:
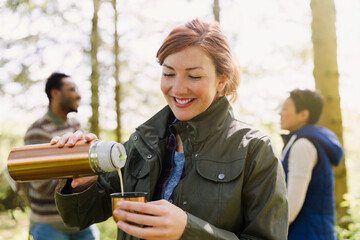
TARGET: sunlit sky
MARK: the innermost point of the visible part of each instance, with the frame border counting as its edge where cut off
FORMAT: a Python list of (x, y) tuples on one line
[(267, 38)]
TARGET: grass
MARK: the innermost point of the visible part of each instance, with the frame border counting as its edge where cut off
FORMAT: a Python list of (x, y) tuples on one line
[(17, 228)]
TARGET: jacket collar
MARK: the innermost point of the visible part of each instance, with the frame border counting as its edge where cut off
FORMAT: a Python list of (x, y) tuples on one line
[(206, 123), (200, 127), (156, 128)]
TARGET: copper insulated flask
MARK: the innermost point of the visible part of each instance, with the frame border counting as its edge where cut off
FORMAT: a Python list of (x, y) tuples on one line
[(45, 161)]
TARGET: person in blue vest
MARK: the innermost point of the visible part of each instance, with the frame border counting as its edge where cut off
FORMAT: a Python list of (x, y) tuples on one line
[(308, 156)]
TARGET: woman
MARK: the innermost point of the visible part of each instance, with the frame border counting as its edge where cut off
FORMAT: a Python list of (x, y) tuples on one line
[(208, 175)]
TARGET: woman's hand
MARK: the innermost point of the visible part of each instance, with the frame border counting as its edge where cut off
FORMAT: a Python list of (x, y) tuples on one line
[(78, 184), (82, 183), (165, 220), (71, 138)]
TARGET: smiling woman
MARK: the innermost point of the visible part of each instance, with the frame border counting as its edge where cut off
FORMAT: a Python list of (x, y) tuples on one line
[(198, 68), (199, 165), (189, 82)]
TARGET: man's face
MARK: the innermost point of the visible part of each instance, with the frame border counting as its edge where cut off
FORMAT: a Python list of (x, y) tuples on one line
[(70, 97), (290, 119)]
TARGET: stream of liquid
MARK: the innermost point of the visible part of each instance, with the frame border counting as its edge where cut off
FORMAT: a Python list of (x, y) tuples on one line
[(121, 181)]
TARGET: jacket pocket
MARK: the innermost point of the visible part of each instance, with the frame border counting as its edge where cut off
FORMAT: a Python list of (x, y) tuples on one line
[(138, 167), (220, 172), (217, 193)]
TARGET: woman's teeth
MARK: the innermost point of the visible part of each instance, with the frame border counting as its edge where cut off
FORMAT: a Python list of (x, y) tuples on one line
[(183, 101)]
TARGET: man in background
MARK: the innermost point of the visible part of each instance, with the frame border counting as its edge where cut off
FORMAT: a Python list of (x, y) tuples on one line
[(308, 156), (45, 221)]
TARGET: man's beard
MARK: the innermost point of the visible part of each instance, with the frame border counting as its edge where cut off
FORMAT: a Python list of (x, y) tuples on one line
[(73, 110), (66, 105)]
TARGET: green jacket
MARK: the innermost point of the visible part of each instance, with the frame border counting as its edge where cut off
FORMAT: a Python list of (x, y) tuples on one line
[(234, 186)]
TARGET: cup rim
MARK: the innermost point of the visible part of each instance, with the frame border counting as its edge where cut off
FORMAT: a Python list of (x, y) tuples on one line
[(128, 194)]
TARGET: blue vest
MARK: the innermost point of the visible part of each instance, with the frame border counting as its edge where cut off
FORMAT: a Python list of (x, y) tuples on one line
[(316, 219)]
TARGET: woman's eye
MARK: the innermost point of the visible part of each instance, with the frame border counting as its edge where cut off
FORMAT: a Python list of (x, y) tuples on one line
[(194, 77), (168, 74)]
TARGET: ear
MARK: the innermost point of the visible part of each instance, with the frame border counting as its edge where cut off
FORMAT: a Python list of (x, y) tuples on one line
[(304, 115), (222, 82), (55, 93)]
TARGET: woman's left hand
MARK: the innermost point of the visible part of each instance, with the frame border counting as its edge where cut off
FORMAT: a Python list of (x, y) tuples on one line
[(164, 220)]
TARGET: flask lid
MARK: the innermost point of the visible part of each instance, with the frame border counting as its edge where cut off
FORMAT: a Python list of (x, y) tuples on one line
[(118, 155), (107, 156)]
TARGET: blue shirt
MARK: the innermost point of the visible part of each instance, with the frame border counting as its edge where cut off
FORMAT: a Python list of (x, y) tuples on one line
[(179, 162)]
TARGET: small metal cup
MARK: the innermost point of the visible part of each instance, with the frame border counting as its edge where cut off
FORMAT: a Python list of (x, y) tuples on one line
[(128, 196)]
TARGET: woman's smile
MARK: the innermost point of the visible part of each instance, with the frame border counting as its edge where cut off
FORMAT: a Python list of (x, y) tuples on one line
[(183, 102)]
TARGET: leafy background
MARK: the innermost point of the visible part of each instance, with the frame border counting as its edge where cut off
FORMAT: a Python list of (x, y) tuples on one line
[(270, 39)]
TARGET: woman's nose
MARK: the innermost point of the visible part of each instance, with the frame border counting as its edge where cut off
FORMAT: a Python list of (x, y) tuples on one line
[(179, 85)]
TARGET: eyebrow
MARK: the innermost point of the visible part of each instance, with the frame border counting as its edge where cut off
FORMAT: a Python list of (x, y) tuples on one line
[(187, 69)]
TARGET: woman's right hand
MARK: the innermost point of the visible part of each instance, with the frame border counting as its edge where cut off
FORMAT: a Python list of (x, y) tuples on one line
[(78, 184)]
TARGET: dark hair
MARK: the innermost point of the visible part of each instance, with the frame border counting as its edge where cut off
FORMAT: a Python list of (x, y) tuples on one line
[(308, 100), (209, 37), (54, 82)]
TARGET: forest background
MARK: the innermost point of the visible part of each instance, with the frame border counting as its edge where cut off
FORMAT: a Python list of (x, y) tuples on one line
[(119, 80)]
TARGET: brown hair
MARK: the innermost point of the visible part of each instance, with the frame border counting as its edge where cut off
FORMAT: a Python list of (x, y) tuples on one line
[(209, 37), (308, 100)]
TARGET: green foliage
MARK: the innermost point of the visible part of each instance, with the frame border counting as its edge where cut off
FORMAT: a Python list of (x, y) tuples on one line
[(11, 135), (352, 231), (352, 199), (15, 226), (14, 4), (9, 200), (108, 229)]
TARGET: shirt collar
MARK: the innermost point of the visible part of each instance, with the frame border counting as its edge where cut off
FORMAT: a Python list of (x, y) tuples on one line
[(56, 120)]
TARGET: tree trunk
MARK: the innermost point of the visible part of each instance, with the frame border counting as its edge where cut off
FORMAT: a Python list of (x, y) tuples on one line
[(94, 78), (116, 76), (327, 82), (216, 10)]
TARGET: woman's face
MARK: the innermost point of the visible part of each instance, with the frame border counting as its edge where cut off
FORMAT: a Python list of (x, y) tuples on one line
[(189, 82)]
